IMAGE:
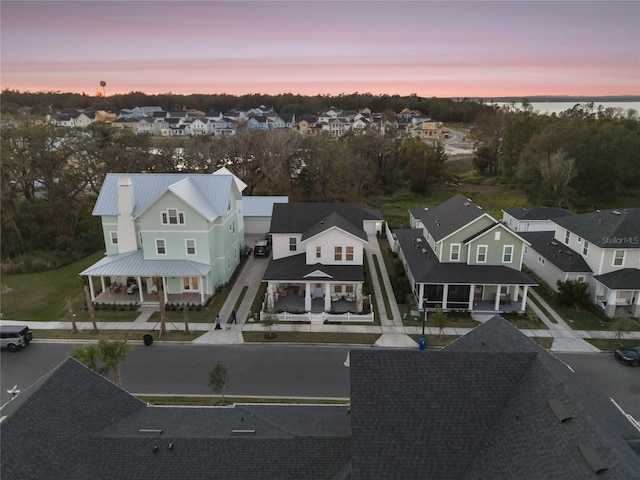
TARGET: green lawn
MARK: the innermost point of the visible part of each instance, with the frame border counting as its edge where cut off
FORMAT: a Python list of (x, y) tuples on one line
[(313, 337), (172, 336)]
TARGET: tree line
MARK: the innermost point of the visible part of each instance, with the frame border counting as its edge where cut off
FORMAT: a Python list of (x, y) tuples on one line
[(581, 159), (51, 176), (442, 109)]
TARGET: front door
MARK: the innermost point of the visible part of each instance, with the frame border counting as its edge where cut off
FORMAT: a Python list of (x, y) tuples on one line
[(318, 292), (190, 284), (477, 293)]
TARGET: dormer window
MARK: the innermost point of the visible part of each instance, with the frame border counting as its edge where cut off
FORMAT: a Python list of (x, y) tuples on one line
[(172, 216)]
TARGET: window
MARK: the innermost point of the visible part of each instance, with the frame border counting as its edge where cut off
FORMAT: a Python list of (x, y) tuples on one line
[(191, 246), (567, 236), (526, 250), (455, 252), (114, 238), (580, 279), (482, 254), (172, 217), (318, 251), (337, 254), (497, 235), (618, 258), (292, 244), (507, 254), (349, 254), (585, 248), (161, 248), (540, 259)]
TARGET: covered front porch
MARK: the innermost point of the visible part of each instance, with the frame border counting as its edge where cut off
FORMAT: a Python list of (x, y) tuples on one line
[(618, 293), (494, 298), (315, 297)]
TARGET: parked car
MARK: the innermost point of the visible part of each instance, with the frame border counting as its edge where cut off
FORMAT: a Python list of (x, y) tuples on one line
[(629, 355), (262, 249), (15, 337)]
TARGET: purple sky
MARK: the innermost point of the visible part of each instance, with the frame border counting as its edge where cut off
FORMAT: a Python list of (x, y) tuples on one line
[(430, 48)]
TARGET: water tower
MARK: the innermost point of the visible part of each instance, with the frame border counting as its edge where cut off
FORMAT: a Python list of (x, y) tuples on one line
[(103, 84)]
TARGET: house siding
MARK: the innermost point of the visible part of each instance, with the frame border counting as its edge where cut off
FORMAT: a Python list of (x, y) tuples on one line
[(327, 241), (495, 248), (459, 237)]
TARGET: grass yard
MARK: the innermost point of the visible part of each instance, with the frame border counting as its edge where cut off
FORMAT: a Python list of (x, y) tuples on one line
[(610, 344), (312, 337), (113, 335)]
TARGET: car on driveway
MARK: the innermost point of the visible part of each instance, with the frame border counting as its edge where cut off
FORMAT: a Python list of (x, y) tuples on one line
[(629, 355), (262, 248)]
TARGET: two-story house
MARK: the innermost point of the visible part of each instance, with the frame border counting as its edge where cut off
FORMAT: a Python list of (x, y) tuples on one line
[(183, 230), (318, 257), (605, 245), (459, 257)]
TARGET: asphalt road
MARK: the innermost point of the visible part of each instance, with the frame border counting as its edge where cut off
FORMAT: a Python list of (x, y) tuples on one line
[(267, 370)]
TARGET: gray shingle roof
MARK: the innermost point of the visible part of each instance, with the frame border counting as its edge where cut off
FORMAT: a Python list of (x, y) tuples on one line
[(538, 213), (606, 228), (479, 409), (624, 279), (449, 216), (425, 267), (557, 253), (304, 217), (295, 268)]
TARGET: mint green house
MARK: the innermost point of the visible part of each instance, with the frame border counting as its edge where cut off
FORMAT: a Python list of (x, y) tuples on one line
[(459, 257), (184, 230)]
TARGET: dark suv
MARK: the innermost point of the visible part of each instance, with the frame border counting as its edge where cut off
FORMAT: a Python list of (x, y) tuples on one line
[(262, 249)]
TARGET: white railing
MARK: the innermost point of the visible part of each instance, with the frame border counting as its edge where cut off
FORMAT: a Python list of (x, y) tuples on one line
[(309, 317)]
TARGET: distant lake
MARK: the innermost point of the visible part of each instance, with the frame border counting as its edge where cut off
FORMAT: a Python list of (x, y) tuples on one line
[(548, 108)]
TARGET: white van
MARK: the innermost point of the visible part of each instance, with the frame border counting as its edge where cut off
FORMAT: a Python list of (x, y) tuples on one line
[(15, 337)]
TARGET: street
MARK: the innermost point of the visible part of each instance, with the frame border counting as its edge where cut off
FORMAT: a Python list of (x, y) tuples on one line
[(271, 370)]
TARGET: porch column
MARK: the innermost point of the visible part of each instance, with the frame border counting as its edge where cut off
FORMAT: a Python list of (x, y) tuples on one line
[(307, 297), (635, 310), (610, 310), (93, 293), (327, 297), (445, 295), (496, 305), (525, 290), (421, 296), (516, 293), (140, 293), (201, 289), (164, 290), (103, 285), (472, 291)]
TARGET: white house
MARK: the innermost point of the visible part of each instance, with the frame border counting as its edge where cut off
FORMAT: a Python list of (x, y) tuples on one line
[(318, 260), (608, 243)]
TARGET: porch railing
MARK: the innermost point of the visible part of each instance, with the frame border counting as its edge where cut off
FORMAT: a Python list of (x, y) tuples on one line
[(323, 317)]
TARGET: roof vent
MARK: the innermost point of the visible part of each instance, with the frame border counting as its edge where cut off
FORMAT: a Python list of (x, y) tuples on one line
[(616, 212), (593, 459), (553, 243), (466, 204), (479, 207), (243, 433), (424, 250), (155, 431), (559, 410)]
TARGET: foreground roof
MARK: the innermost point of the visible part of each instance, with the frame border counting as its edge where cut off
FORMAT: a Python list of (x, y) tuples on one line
[(134, 264), (311, 218), (295, 268), (623, 279), (493, 404)]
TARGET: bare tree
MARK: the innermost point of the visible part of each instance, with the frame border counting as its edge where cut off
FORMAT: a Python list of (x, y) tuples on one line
[(72, 315)]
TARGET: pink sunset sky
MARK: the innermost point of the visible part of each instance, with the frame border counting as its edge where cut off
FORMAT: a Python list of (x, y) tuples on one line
[(430, 48)]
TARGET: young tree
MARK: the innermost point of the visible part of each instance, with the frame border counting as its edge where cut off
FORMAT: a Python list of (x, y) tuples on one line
[(439, 319), (218, 379), (90, 309), (159, 284), (72, 315), (622, 327), (269, 321), (112, 352)]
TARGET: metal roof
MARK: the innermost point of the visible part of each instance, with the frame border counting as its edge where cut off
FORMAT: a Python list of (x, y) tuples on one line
[(260, 206), (208, 194), (133, 264)]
